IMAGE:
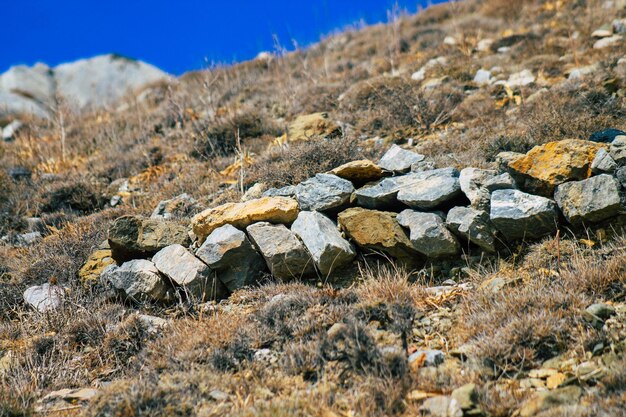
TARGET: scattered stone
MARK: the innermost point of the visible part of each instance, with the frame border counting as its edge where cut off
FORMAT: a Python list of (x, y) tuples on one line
[(321, 237), (607, 42), (474, 226), (285, 255), (500, 182), (484, 45), (428, 234), (545, 400), (420, 75), (591, 200), (132, 237), (282, 210), (288, 191), (618, 150), (619, 25), (601, 310), (359, 172), (450, 41), (99, 259), (430, 189), (521, 79), (546, 166), (603, 32), (519, 215), (427, 357), (308, 126), (139, 280), (399, 160), (10, 130), (24, 240), (228, 251), (466, 396), (266, 356), (152, 324), (189, 272), (324, 192), (472, 182), (441, 406), (375, 230), (603, 163), (606, 135), (482, 77), (256, 191), (177, 207), (44, 298)]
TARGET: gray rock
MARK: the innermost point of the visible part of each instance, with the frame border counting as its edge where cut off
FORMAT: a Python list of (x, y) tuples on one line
[(26, 89), (254, 192), (428, 234), (473, 225), (617, 150), (472, 182), (431, 357), (545, 400), (324, 192), (44, 298), (321, 237), (285, 255), (10, 130), (519, 215), (189, 272), (591, 200), (288, 191), (482, 77), (430, 189), (504, 158), (603, 163), (620, 175), (138, 279), (441, 406), (180, 206), (228, 251), (382, 194), (399, 160), (608, 42), (500, 182), (601, 310), (466, 396), (423, 166)]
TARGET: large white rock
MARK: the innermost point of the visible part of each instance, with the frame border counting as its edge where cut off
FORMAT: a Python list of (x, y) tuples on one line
[(44, 298), (321, 237), (428, 234), (138, 279), (518, 215)]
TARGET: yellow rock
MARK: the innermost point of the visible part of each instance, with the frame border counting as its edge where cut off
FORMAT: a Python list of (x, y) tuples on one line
[(377, 231), (361, 171), (555, 380), (90, 272), (546, 166), (281, 210), (307, 126)]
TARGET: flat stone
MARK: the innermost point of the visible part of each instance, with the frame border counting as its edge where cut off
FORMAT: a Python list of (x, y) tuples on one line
[(383, 194), (618, 150), (374, 230), (287, 191), (428, 190), (466, 396), (285, 255), (139, 280), (399, 160), (482, 77), (132, 237), (359, 172), (428, 234), (601, 310), (603, 163), (472, 182), (320, 235), (44, 298), (545, 400), (546, 166), (503, 181), (228, 251), (518, 215), (591, 200), (324, 192), (189, 272), (474, 226), (441, 406), (608, 42), (281, 210)]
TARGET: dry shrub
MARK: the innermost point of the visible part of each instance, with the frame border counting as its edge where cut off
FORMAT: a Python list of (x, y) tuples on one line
[(77, 196)]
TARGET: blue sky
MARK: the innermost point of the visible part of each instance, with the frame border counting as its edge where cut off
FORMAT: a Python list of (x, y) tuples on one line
[(176, 36)]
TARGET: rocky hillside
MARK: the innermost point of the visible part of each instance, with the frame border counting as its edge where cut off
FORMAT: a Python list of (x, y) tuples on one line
[(424, 217)]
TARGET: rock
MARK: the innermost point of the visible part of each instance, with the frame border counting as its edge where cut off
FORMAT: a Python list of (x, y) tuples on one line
[(474, 226), (20, 173), (399, 160), (441, 406), (606, 135), (178, 207), (27, 239), (282, 210), (430, 189), (10, 130), (153, 325), (618, 150), (545, 400), (423, 166), (519, 215), (359, 172), (420, 75), (603, 163), (466, 396), (500, 182), (256, 191), (27, 90), (189, 272), (382, 194), (62, 400), (228, 251), (428, 234), (503, 159), (377, 231), (305, 127), (132, 237), (603, 32), (484, 45), (619, 25), (450, 41), (601, 310), (472, 182), (139, 280), (285, 255), (427, 357), (546, 166), (607, 42), (521, 79), (288, 191), (591, 200), (482, 77), (321, 237), (620, 175), (324, 192), (97, 261), (44, 298)]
